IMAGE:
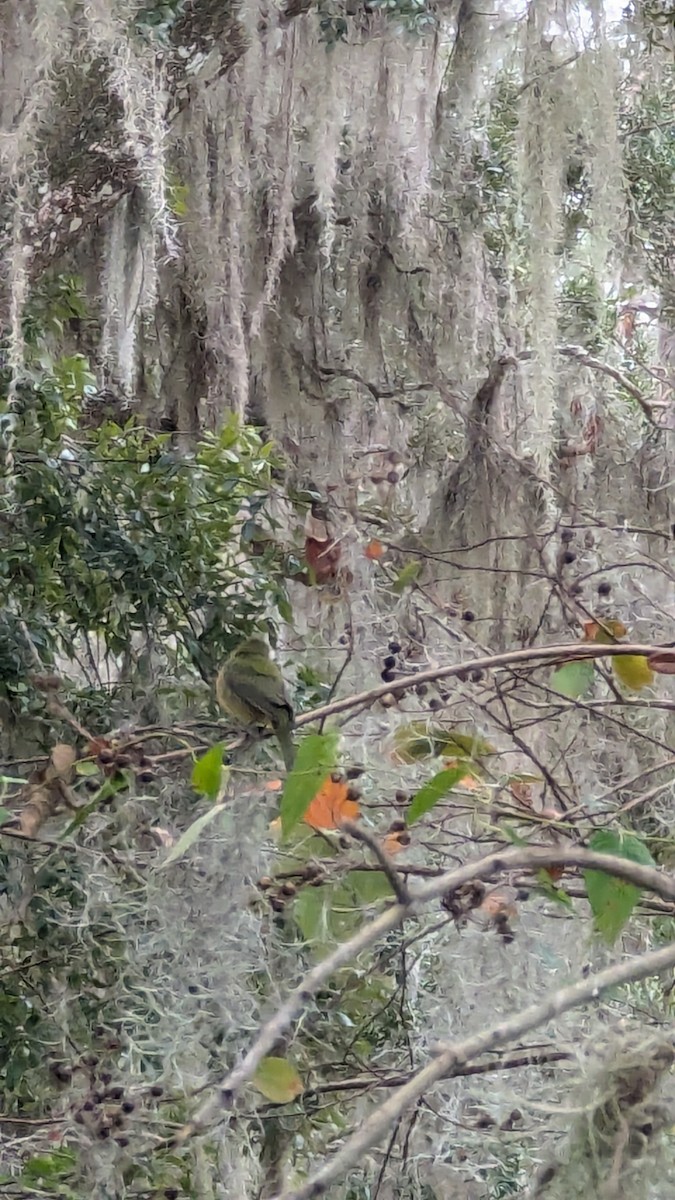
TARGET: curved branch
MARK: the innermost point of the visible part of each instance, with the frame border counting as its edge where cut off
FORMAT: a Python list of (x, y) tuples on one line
[(489, 662), (483, 869), (453, 1057)]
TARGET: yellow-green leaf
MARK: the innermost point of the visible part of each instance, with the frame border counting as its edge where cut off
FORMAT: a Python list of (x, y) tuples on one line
[(193, 831), (406, 576), (277, 1080), (207, 773), (418, 740), (433, 791), (633, 670)]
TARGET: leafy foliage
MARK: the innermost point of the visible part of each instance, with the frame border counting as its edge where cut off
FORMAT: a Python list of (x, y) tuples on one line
[(111, 538)]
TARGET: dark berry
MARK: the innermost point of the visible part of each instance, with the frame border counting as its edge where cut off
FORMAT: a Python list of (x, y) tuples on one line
[(156, 1090), (387, 676), (604, 588), (146, 777), (468, 615), (567, 535), (128, 1106), (569, 557), (389, 662), (394, 648), (397, 826), (354, 772), (435, 704), (421, 689), (476, 676)]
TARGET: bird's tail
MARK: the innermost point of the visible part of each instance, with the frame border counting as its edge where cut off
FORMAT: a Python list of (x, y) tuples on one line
[(287, 748)]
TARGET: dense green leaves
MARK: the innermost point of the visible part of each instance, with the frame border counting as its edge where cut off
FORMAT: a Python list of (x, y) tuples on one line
[(107, 532)]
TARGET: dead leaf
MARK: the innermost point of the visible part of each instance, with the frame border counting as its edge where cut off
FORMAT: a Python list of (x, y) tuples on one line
[(63, 757), (662, 662), (331, 806), (323, 559), (605, 631), (374, 550), (395, 843), (499, 900)]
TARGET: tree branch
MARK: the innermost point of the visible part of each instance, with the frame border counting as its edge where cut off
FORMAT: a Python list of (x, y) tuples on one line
[(534, 654), (455, 1055), (532, 859)]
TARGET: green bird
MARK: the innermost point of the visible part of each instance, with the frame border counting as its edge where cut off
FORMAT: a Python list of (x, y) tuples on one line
[(250, 687)]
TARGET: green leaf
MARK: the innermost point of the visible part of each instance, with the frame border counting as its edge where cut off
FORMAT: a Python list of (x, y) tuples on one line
[(406, 576), (188, 839), (207, 774), (433, 791), (573, 679), (309, 911), (369, 886), (87, 767), (551, 892), (49, 1166), (419, 740), (315, 758), (612, 900), (278, 1080)]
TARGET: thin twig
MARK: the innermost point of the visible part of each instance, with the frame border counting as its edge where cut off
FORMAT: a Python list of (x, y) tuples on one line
[(454, 1056), (529, 858), (388, 867)]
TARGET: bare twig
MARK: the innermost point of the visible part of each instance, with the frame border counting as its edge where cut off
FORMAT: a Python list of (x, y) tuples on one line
[(529, 858), (596, 364), (398, 885), (455, 1055)]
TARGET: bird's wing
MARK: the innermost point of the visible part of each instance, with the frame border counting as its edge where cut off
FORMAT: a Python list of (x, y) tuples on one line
[(270, 708)]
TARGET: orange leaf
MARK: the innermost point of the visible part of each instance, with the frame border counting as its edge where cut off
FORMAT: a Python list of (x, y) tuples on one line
[(603, 631), (374, 550), (331, 806), (392, 844)]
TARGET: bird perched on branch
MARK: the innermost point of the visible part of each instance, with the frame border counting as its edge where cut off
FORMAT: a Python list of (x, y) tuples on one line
[(250, 687)]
